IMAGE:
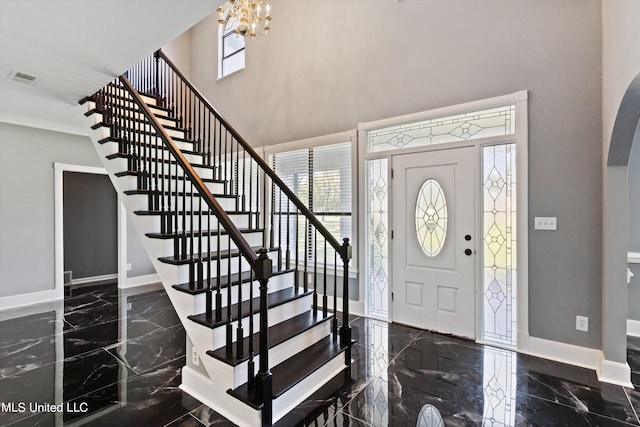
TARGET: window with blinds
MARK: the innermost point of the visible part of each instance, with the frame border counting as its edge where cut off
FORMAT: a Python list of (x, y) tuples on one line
[(322, 178)]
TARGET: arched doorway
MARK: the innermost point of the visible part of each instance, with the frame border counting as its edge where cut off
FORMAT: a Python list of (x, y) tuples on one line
[(615, 238)]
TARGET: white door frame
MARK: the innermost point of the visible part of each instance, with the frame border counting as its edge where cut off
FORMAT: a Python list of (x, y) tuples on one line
[(60, 168), (520, 100)]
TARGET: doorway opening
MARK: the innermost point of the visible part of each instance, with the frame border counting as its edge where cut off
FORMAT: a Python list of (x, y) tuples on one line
[(489, 133)]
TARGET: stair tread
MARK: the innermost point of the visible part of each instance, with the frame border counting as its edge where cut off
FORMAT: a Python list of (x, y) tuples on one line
[(188, 212), (204, 257), (153, 134), (295, 369), (152, 146), (144, 121), (166, 176), (246, 276), (274, 299), (278, 334), (203, 233), (171, 161), (180, 193)]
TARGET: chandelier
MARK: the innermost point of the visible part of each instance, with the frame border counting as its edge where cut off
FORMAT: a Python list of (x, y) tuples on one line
[(246, 18)]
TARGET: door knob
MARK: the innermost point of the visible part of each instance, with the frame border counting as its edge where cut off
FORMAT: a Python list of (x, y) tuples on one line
[(468, 251), (467, 237)]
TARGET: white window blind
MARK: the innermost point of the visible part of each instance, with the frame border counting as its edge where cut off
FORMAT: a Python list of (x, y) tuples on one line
[(322, 178)]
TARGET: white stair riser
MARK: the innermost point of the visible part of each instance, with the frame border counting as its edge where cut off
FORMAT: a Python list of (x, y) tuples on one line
[(104, 132), (132, 183), (194, 159), (276, 283), (282, 352), (98, 117), (305, 388), (182, 271), (141, 203)]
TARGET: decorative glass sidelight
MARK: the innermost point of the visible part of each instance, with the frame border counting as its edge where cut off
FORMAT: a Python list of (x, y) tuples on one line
[(456, 128), (499, 243), (499, 385), (377, 237), (431, 217)]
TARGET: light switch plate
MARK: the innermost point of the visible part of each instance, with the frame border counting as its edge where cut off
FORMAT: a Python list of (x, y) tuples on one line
[(546, 223)]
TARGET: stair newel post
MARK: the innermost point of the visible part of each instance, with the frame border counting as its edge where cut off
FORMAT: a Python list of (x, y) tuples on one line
[(156, 75), (315, 271), (264, 379), (296, 277), (240, 330), (200, 269), (209, 298), (287, 262), (161, 192), (183, 237), (305, 278), (251, 367), (334, 323), (229, 332), (252, 216), (192, 261), (345, 329), (280, 231), (218, 277), (324, 281)]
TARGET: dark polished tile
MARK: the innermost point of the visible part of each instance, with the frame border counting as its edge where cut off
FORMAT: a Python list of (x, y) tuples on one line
[(185, 421), (148, 302), (78, 376), (149, 399), (151, 350), (533, 411), (27, 355), (342, 420), (165, 317), (100, 312), (79, 341), (634, 398), (28, 327), (208, 417), (383, 336)]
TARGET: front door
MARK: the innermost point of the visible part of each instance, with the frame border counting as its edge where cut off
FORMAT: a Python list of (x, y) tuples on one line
[(433, 246)]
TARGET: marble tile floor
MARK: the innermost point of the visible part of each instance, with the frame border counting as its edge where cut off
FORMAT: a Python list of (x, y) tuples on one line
[(118, 354)]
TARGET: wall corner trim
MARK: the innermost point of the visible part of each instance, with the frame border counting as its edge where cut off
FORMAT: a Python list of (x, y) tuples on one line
[(614, 372)]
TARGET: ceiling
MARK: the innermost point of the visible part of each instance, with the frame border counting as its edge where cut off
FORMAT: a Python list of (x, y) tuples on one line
[(73, 47)]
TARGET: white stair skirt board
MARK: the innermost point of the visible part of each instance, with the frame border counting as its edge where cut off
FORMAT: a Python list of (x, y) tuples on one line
[(633, 328), (217, 398), (590, 358)]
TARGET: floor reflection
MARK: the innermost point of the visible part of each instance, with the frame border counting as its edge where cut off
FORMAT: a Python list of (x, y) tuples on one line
[(119, 356)]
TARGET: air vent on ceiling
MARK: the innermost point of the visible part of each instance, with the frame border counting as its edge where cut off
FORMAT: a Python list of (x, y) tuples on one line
[(23, 78)]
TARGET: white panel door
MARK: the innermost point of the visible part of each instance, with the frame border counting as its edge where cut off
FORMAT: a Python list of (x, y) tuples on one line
[(433, 247)]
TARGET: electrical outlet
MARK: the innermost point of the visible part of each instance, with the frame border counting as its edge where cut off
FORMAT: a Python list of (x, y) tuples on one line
[(129, 267), (546, 223), (582, 323), (194, 357)]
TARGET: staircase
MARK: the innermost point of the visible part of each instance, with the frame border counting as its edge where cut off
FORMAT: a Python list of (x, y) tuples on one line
[(252, 274)]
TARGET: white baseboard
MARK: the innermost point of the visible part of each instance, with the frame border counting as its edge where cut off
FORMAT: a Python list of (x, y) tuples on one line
[(614, 373), (633, 328), (590, 358), (139, 281), (83, 280), (31, 298)]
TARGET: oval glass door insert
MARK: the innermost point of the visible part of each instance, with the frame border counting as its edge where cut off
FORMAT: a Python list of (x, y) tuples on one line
[(431, 217)]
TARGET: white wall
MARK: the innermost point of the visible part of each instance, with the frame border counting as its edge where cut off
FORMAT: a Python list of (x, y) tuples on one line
[(328, 65)]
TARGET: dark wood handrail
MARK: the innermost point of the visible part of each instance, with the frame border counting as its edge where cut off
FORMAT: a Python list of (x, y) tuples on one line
[(260, 161), (243, 246)]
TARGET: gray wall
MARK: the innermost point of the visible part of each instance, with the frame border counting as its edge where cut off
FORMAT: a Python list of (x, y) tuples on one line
[(27, 156), (634, 226), (136, 254), (391, 58), (90, 225)]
